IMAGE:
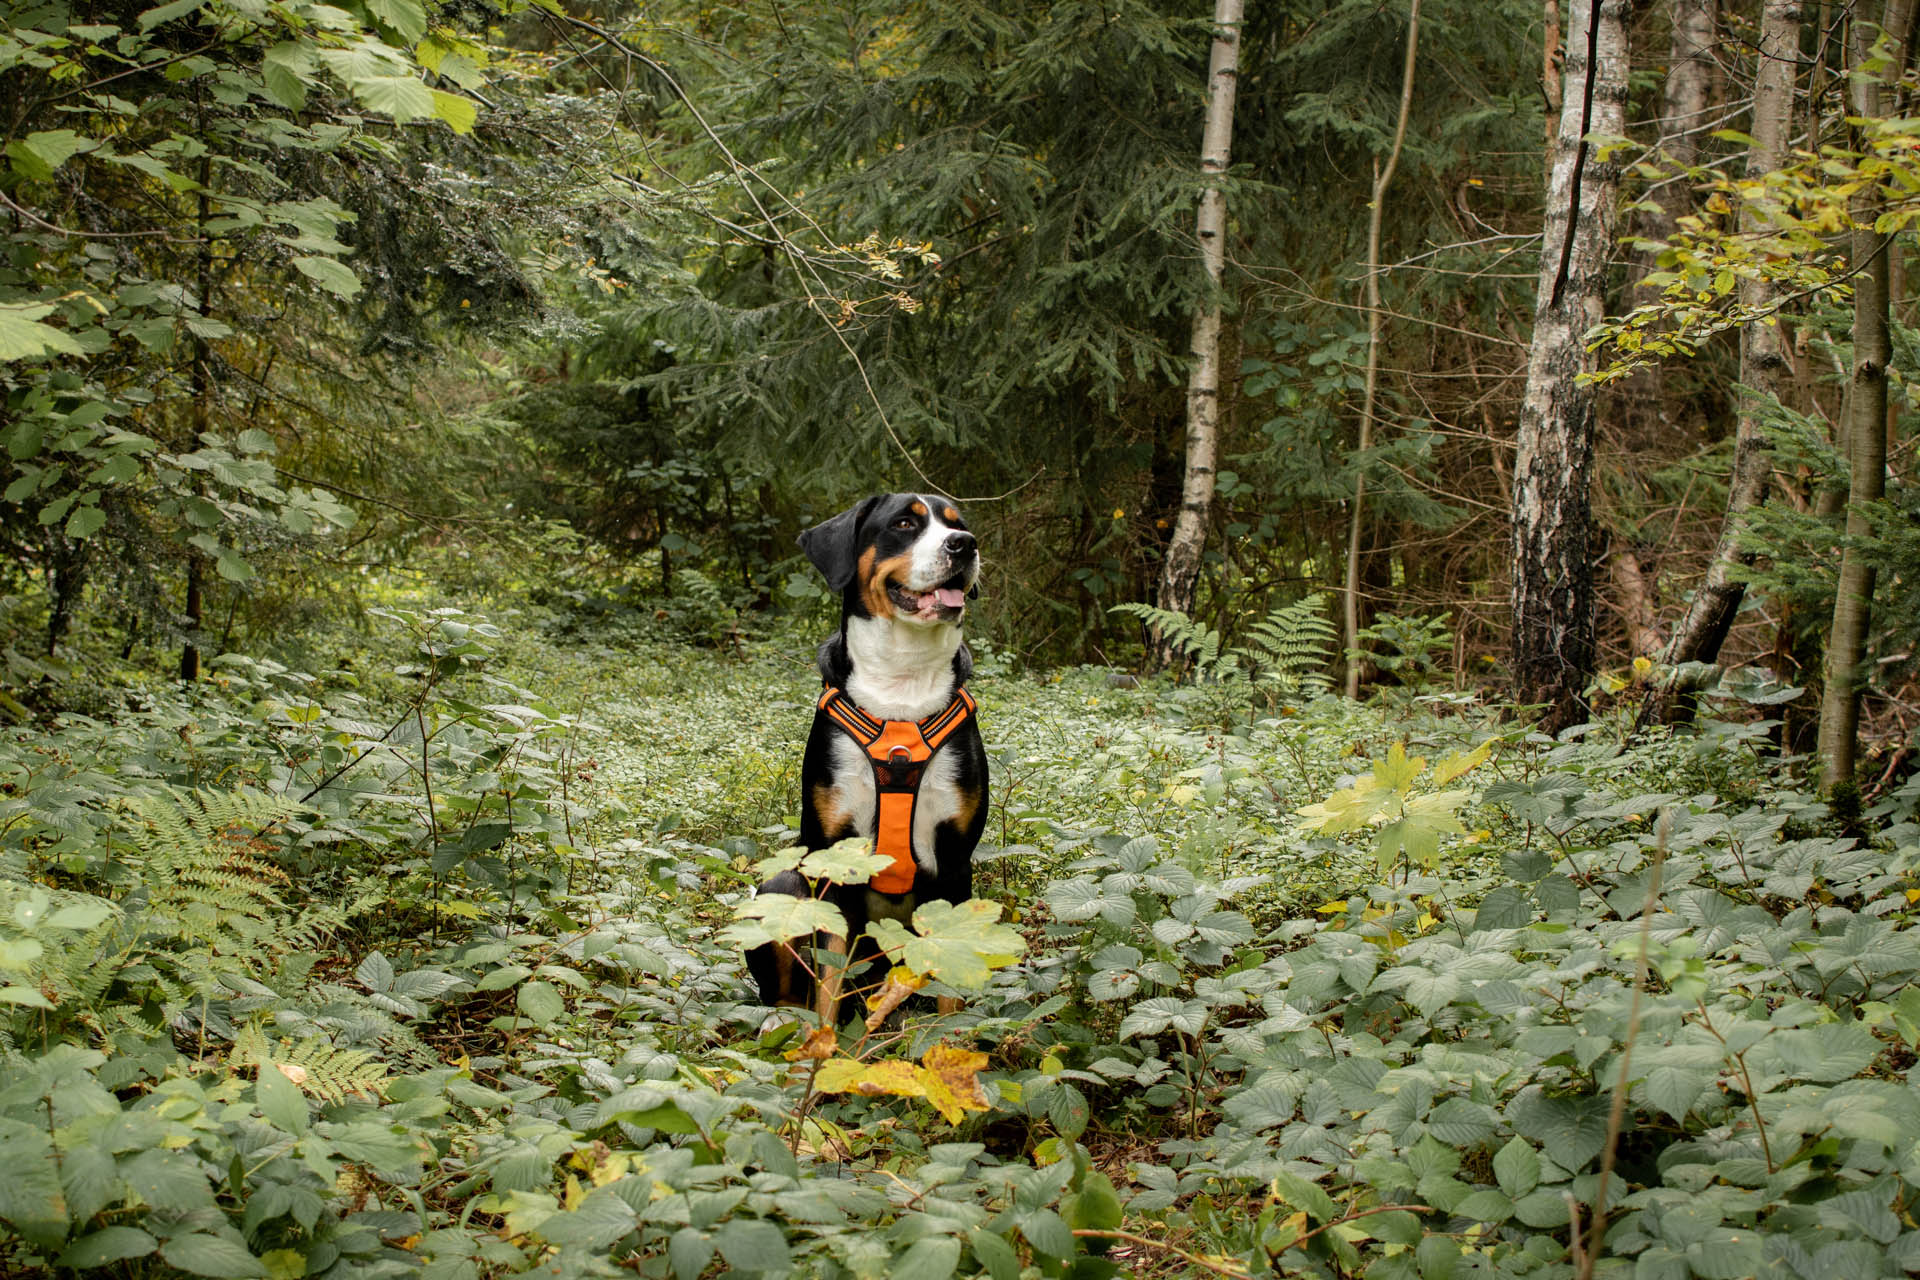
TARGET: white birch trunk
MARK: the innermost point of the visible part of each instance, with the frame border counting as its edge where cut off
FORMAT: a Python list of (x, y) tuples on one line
[(1866, 434), (1553, 596), (1764, 367), (1181, 572)]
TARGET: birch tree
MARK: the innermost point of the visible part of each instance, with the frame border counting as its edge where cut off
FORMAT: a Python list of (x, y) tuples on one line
[(1765, 369), (1553, 622), (1181, 570), (1866, 427)]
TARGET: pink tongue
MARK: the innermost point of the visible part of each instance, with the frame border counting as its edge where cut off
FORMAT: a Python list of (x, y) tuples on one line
[(949, 596)]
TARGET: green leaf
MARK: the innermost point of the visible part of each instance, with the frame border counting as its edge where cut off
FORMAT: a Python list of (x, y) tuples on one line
[(37, 155), (1461, 1122), (80, 915), (458, 112), (403, 98), (1150, 1017), (286, 69), (689, 1251), (23, 337), (780, 917), (540, 1002), (85, 521), (168, 12), (109, 1244), (1517, 1166), (753, 1245), (994, 1253), (333, 276), (848, 862), (1301, 1194), (930, 1258), (960, 943), (406, 17), (232, 566), (208, 1255), (1047, 1232), (1573, 1129), (280, 1100)]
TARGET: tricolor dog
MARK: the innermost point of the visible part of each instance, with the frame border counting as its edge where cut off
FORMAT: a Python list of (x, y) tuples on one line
[(895, 753)]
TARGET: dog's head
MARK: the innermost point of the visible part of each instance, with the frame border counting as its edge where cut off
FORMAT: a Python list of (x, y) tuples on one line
[(905, 556)]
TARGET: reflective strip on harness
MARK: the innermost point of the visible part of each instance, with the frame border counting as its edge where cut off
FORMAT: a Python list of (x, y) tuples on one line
[(898, 750)]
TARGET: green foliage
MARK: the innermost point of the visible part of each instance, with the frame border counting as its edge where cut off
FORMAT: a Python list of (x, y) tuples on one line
[(506, 1027), (1281, 657)]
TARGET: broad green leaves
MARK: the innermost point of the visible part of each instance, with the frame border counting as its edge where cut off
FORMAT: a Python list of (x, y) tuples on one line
[(960, 944), (24, 337), (1407, 825)]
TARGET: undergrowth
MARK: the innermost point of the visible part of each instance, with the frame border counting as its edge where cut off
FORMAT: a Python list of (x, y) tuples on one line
[(430, 962)]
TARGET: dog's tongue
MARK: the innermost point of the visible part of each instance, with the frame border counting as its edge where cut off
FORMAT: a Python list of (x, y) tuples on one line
[(950, 597)]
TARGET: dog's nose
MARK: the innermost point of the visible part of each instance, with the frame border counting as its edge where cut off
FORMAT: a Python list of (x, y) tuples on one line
[(959, 543)]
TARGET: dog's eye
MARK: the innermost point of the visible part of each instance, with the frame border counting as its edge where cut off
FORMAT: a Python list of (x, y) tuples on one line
[(904, 522)]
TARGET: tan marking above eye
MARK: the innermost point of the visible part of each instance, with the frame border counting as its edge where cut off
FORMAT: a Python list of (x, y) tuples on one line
[(949, 514), (919, 508)]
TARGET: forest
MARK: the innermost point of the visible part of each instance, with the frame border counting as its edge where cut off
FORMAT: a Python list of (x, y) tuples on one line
[(1446, 646)]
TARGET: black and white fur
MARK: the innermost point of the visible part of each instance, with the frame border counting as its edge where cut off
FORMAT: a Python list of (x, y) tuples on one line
[(905, 566)]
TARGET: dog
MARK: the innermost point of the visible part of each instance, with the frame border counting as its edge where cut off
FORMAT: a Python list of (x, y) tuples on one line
[(895, 753)]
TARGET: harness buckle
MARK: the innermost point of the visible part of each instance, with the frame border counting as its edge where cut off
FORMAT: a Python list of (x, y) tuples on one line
[(899, 756)]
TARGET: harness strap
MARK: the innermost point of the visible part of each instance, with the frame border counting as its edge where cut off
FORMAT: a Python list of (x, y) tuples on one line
[(898, 750)]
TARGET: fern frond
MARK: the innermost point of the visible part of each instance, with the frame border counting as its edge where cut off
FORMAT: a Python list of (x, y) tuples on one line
[(1288, 650), (1198, 643)]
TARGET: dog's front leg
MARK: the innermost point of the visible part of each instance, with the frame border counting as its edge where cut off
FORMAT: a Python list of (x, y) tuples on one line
[(827, 985)]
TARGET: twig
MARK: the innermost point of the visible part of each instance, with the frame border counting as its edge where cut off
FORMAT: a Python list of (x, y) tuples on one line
[(1362, 1213), (1616, 1115), (1218, 1268)]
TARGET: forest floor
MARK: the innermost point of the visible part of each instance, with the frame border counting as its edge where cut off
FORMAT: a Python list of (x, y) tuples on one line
[(433, 960)]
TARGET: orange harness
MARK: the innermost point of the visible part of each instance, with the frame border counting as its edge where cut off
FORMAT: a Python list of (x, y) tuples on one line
[(899, 751)]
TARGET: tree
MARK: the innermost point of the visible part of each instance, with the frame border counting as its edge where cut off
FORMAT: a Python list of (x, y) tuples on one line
[(1764, 368), (1866, 425), (1376, 320), (1181, 568), (1553, 647)]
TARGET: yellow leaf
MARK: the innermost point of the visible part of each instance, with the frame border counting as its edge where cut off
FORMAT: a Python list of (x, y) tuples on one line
[(900, 984), (871, 1079), (819, 1044), (952, 1081), (1462, 762), (1396, 772)]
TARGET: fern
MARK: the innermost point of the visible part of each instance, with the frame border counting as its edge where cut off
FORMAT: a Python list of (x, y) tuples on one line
[(1194, 641), (316, 1064), (1285, 654), (1288, 650)]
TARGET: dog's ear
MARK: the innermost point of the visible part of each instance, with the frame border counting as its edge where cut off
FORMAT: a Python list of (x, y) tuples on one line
[(833, 544)]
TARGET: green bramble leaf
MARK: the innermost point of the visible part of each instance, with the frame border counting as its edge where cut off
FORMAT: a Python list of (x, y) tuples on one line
[(781, 917), (335, 277), (23, 337)]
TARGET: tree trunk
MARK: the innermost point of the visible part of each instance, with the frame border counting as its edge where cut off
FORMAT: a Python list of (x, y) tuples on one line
[(202, 382), (1866, 437), (1181, 571), (1553, 622), (1765, 370), (1382, 175)]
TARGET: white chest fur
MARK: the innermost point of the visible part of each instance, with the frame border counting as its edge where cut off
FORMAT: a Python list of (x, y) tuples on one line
[(901, 670)]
